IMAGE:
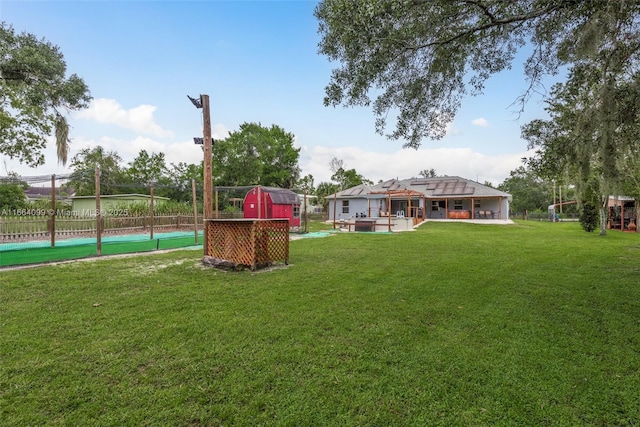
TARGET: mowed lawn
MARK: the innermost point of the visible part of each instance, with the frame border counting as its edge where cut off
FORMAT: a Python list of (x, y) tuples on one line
[(454, 324)]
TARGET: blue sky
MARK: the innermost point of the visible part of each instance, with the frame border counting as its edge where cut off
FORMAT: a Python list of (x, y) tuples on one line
[(258, 62)]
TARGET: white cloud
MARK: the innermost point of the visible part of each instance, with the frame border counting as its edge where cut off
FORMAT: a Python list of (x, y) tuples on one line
[(174, 152), (480, 121), (373, 165), (127, 149), (219, 131), (407, 163), (139, 119), (451, 129)]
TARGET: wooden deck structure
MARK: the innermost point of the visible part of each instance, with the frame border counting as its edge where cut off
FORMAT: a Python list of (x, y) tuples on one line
[(246, 242)]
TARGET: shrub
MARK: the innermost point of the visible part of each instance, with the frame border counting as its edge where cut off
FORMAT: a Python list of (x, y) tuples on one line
[(589, 217), (169, 207)]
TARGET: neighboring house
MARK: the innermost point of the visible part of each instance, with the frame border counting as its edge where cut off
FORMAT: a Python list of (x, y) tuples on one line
[(39, 193), (421, 199), (271, 202), (309, 204), (110, 205)]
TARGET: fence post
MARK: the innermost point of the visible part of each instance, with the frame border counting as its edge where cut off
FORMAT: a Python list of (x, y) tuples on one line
[(98, 216), (53, 211), (195, 209), (151, 214)]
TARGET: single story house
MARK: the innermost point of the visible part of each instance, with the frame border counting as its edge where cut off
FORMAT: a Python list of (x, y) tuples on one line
[(420, 199), (110, 204), (309, 204), (39, 193)]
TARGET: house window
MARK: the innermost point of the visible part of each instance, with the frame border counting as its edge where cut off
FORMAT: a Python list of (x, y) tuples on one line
[(345, 206), (457, 205), (476, 204), (434, 205), (296, 211)]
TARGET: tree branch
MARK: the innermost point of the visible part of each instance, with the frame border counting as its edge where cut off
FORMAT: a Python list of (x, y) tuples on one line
[(494, 22), (483, 7)]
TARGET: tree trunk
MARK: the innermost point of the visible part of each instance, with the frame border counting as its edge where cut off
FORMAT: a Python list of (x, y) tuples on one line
[(604, 216)]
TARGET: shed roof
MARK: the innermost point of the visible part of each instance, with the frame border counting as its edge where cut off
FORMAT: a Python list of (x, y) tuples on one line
[(281, 196)]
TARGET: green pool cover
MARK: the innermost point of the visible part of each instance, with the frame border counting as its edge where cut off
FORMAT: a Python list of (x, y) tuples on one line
[(37, 252)]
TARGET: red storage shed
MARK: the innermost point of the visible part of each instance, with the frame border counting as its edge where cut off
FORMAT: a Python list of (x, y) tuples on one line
[(271, 203)]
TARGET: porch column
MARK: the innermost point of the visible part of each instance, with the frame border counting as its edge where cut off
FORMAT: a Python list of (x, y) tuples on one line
[(389, 212), (473, 208)]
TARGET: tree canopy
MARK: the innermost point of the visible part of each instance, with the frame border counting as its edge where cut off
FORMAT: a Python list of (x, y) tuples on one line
[(84, 165), (529, 192), (12, 194), (35, 95), (147, 168), (419, 58), (593, 129), (256, 155)]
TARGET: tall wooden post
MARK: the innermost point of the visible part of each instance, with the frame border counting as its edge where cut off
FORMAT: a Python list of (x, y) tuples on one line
[(259, 203), (217, 207), (53, 211), (306, 219), (389, 211), (335, 203), (208, 173), (560, 195), (151, 214), (195, 210), (98, 215)]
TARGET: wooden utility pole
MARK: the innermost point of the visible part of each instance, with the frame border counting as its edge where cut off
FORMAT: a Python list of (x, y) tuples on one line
[(208, 173)]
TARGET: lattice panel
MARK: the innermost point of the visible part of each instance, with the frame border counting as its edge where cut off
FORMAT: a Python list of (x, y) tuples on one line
[(250, 242)]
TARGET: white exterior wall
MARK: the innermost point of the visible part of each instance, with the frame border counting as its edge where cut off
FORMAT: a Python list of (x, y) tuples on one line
[(358, 206)]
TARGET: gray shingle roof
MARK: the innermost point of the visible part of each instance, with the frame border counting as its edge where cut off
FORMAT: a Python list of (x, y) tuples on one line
[(281, 196), (447, 187)]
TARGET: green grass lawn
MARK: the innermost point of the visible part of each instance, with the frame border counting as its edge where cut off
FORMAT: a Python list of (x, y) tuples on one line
[(455, 324)]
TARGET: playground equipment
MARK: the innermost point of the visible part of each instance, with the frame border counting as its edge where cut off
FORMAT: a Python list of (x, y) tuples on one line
[(553, 215)]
